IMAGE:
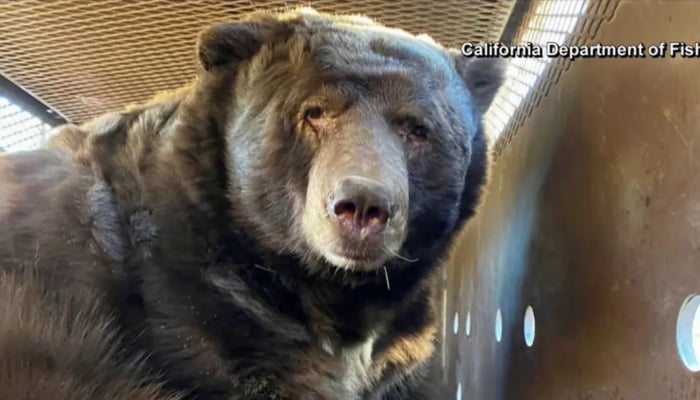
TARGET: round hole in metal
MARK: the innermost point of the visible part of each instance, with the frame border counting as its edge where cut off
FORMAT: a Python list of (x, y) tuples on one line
[(468, 323), (688, 333), (498, 328), (529, 326), (455, 324)]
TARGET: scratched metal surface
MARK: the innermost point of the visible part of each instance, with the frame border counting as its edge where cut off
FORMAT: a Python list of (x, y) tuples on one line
[(592, 218)]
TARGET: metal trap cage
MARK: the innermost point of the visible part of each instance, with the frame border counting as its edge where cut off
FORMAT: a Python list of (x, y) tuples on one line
[(567, 284)]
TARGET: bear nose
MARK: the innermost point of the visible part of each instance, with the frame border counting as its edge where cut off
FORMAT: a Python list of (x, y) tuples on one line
[(360, 206)]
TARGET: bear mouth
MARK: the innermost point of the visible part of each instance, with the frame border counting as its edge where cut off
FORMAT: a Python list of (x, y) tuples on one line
[(356, 260), (360, 254)]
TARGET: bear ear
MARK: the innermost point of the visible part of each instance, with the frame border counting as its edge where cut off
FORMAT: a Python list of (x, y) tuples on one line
[(482, 76), (222, 44)]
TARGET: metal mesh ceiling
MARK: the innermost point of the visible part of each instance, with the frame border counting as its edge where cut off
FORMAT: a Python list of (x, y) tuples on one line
[(83, 58), (567, 22)]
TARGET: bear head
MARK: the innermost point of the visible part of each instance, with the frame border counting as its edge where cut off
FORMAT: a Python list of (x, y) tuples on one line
[(351, 146)]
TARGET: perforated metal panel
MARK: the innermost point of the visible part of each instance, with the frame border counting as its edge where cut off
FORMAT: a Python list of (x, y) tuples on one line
[(84, 58), (590, 218)]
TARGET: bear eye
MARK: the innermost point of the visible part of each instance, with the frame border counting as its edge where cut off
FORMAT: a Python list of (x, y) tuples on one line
[(419, 131), (313, 112), (414, 129)]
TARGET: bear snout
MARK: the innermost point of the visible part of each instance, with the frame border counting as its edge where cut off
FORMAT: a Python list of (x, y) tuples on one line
[(360, 208)]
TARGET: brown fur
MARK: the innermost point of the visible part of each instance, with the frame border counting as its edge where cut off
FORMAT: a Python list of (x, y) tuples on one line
[(59, 346), (189, 236)]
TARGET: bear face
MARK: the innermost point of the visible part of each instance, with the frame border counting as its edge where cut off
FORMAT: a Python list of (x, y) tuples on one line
[(352, 146)]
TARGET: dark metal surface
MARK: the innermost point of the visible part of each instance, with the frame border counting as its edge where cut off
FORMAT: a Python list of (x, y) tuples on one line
[(31, 104), (593, 218), (515, 21)]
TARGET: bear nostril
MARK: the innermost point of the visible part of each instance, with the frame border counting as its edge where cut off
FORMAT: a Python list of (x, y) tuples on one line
[(345, 210), (360, 218), (376, 216)]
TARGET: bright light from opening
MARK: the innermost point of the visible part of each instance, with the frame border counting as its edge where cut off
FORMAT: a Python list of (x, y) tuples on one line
[(688, 333), (468, 324), (498, 326), (553, 21), (529, 326), (19, 130)]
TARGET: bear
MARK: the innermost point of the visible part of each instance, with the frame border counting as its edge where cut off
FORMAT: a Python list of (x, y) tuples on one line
[(273, 230)]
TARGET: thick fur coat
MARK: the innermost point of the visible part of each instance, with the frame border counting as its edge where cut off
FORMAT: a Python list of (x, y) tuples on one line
[(203, 245)]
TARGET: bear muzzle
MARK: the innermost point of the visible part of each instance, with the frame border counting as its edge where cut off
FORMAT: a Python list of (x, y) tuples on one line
[(361, 214)]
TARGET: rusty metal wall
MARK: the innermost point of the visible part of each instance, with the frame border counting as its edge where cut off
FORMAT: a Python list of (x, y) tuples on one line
[(592, 218)]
